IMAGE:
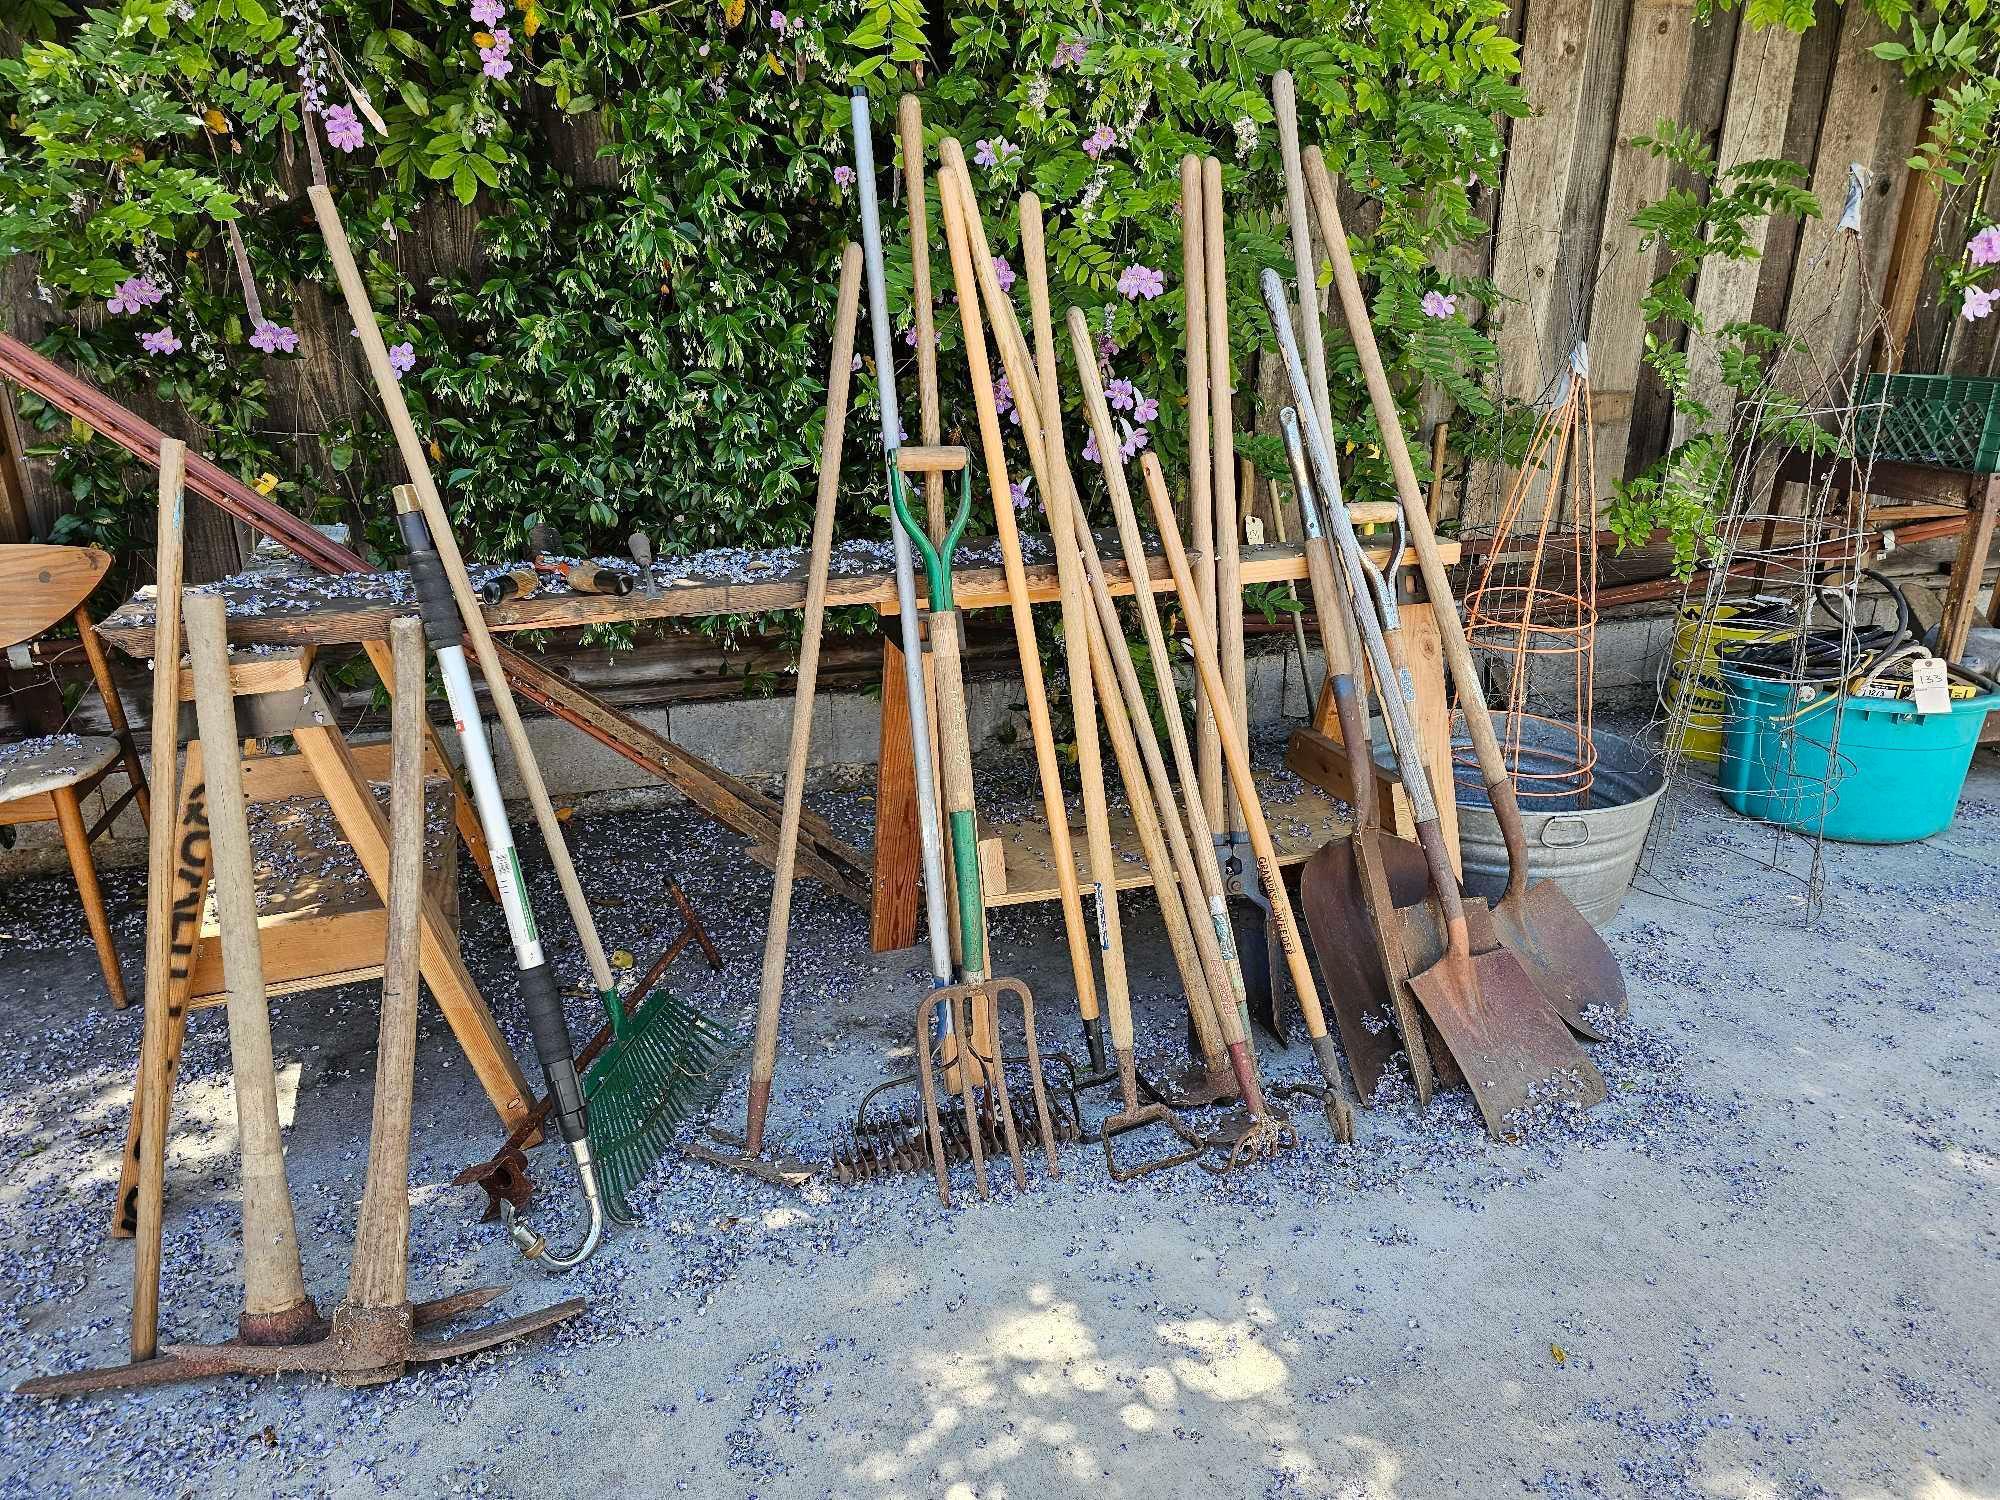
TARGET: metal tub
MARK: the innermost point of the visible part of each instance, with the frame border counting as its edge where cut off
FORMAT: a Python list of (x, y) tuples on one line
[(1591, 851)]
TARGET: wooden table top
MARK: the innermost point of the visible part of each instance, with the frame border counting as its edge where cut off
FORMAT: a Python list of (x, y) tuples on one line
[(322, 609)]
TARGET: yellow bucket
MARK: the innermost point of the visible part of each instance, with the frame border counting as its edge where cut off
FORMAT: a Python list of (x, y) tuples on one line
[(1692, 672)]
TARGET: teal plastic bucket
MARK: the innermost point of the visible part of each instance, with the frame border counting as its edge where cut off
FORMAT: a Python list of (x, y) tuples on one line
[(1894, 778)]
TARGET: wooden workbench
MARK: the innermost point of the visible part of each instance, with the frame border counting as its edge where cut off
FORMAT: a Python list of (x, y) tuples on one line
[(315, 609)]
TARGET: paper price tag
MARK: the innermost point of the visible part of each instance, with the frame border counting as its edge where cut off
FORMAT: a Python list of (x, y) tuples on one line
[(1253, 530), (1931, 686)]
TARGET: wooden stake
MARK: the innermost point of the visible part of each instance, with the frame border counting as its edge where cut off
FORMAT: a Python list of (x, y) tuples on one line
[(910, 121), (1201, 472), (163, 732)]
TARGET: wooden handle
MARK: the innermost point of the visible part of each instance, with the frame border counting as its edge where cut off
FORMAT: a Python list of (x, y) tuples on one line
[(1305, 267), (931, 459), (777, 933), (910, 125), (955, 792), (417, 464), (1201, 452), (379, 1277), (1389, 423), (1075, 615), (1235, 760), (1373, 512), (163, 734), (1207, 892), (1228, 594), (972, 270), (273, 1285)]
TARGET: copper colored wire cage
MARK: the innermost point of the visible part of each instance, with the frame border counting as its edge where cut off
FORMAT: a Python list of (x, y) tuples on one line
[(1532, 613)]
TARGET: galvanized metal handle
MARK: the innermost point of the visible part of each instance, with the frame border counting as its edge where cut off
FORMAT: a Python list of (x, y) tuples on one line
[(1554, 836)]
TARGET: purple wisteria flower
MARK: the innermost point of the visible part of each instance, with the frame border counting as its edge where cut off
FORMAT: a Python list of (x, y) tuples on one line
[(402, 358), (1438, 304), (1069, 54), (1978, 303), (1120, 393), (1135, 439), (493, 59), (1145, 409), (1019, 490), (134, 293), (1099, 141), (992, 153), (274, 338), (778, 22), (344, 131), (1984, 247), (1004, 273), (843, 175), (1090, 454), (1141, 282), (160, 341), (487, 12)]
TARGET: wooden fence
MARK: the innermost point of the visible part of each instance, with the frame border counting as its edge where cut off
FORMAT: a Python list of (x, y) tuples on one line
[(1598, 72)]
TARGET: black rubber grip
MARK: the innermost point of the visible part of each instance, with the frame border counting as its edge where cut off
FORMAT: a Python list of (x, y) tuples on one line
[(552, 1048), (435, 605)]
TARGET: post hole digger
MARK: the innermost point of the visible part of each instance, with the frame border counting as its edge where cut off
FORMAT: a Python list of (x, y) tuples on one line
[(1511, 1046), (661, 1061), (373, 1332)]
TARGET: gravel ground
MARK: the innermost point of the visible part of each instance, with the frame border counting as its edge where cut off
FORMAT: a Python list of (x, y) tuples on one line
[(1764, 1269)]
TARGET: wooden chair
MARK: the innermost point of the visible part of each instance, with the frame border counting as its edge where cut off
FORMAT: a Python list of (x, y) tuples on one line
[(45, 777)]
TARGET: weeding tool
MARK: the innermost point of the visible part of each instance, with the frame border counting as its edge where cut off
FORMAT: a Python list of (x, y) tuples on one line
[(976, 280), (581, 574), (641, 547), (747, 1153), (1571, 964), (1335, 1097), (371, 1336), (1511, 1045), (1196, 853)]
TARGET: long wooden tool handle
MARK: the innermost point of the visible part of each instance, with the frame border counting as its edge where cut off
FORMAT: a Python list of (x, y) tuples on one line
[(1201, 473), (1237, 763), (1389, 422), (961, 228), (379, 1277), (388, 386), (1082, 693), (164, 736), (1298, 217), (771, 988), (955, 792), (273, 1284), (1208, 884), (1228, 611), (910, 125)]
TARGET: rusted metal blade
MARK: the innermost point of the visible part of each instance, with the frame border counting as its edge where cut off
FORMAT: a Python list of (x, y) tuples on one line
[(424, 1351), (1336, 891), (164, 1369), (1512, 1047), (1568, 959)]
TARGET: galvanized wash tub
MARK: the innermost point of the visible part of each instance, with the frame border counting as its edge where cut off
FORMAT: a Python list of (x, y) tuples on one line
[(1591, 852)]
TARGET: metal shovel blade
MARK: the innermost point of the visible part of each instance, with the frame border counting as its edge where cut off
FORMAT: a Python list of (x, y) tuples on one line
[(1568, 959), (1512, 1047)]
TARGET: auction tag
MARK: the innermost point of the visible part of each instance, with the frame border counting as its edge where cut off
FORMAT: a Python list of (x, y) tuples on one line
[(1931, 687)]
